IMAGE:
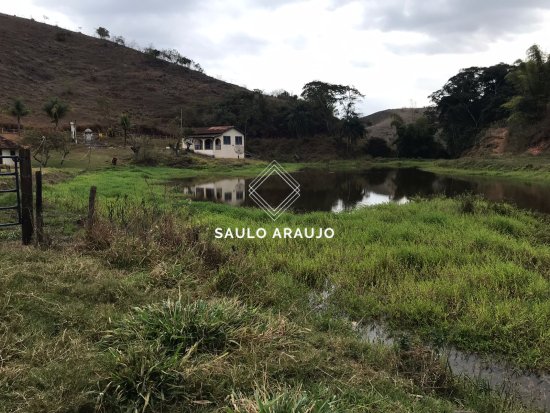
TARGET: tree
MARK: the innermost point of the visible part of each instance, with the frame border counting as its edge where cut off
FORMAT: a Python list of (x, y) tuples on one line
[(152, 53), (416, 140), (119, 40), (531, 82), (19, 110), (300, 120), (352, 129), (125, 124), (469, 102), (44, 143), (56, 110), (330, 100), (378, 148), (102, 32), (323, 98)]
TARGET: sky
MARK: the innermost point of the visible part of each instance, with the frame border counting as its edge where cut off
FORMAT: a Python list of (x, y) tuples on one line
[(396, 52)]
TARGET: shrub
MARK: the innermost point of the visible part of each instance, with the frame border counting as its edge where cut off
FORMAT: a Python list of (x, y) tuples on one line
[(378, 148)]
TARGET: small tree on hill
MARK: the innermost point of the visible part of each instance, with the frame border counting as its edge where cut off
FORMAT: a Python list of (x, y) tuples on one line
[(102, 32), (125, 125), (56, 110), (119, 40), (19, 110)]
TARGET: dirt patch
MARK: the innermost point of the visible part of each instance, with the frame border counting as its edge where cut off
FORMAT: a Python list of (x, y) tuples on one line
[(493, 142)]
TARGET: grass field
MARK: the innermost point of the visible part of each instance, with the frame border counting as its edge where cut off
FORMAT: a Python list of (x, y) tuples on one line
[(159, 315)]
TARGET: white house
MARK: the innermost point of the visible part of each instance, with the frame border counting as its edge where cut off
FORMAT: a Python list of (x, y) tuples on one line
[(217, 141), (8, 148)]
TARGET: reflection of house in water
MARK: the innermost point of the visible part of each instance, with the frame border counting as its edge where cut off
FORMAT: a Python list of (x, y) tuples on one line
[(229, 191)]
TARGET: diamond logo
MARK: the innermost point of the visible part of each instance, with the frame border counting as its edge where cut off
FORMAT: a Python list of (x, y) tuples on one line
[(274, 168)]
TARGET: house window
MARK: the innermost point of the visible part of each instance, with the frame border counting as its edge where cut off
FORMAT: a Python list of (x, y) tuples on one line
[(199, 192), (240, 195), (208, 144), (238, 140), (227, 140), (219, 193), (228, 196), (218, 144), (198, 145), (210, 193)]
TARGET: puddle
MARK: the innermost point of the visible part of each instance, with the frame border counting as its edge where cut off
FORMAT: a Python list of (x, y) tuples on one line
[(319, 301), (531, 388)]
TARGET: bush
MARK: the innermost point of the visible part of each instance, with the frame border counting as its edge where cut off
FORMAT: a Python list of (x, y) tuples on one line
[(378, 148)]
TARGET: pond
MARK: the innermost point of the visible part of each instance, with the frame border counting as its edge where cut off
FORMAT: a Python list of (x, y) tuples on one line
[(336, 191)]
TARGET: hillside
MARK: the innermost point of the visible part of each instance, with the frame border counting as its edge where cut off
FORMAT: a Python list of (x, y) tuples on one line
[(379, 123), (99, 79)]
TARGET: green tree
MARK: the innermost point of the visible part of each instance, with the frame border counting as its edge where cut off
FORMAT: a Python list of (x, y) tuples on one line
[(352, 129), (125, 124), (378, 148), (18, 110), (531, 81), (416, 140), (102, 32), (56, 110), (469, 102), (300, 120), (323, 98), (330, 100)]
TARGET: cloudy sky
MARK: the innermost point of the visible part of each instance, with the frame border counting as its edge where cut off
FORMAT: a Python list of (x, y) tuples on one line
[(394, 51)]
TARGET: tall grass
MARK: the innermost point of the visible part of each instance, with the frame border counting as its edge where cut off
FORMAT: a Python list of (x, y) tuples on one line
[(148, 312), (159, 350), (465, 271)]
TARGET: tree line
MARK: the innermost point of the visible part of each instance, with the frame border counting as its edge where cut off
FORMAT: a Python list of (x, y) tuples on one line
[(321, 109), (475, 99), (168, 55)]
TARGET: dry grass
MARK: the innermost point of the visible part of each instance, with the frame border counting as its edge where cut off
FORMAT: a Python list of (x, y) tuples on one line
[(83, 70)]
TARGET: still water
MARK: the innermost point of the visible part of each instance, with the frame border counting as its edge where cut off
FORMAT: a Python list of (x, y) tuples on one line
[(324, 190)]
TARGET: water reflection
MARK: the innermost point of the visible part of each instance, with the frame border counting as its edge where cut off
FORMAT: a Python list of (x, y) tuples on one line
[(230, 191), (530, 387), (338, 191)]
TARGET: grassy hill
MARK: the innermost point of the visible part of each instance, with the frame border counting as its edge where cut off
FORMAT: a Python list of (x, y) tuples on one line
[(99, 79), (379, 123)]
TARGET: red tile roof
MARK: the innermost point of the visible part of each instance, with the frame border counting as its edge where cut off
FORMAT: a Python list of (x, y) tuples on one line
[(6, 143), (210, 131)]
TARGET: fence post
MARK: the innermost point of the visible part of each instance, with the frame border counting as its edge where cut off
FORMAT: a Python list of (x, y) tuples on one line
[(91, 208), (26, 196), (39, 217)]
